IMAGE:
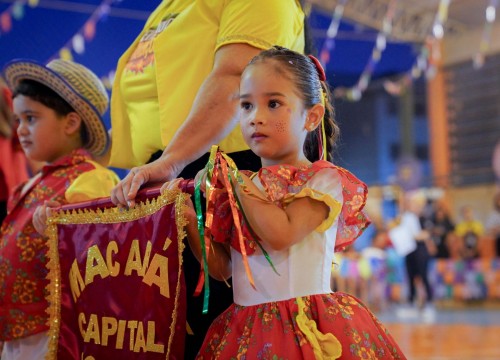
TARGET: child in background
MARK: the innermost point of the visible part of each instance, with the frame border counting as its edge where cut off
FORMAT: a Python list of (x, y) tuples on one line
[(352, 273), (301, 209), (59, 110), (376, 257)]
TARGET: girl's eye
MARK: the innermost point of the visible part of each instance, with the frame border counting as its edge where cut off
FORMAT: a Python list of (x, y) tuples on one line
[(273, 104), (30, 118), (246, 105)]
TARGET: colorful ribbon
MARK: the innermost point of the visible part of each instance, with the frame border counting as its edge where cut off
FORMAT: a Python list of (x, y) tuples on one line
[(220, 166)]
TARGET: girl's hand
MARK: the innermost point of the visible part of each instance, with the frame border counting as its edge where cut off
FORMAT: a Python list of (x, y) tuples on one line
[(202, 174), (189, 210), (171, 185), (41, 214)]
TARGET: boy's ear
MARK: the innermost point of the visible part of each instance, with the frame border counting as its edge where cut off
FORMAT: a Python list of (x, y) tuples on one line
[(73, 123), (314, 117)]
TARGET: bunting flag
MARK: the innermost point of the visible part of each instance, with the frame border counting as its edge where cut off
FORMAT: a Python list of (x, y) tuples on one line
[(14, 12), (355, 93), (116, 287), (85, 34)]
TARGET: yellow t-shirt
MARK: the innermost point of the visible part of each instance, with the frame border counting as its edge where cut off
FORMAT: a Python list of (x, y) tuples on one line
[(92, 184), (473, 226), (149, 102)]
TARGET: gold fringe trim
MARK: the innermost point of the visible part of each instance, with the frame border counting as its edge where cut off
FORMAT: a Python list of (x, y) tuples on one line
[(114, 215), (106, 216), (54, 292), (181, 222)]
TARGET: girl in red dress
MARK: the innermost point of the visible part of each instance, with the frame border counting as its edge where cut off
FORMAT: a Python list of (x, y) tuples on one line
[(294, 213)]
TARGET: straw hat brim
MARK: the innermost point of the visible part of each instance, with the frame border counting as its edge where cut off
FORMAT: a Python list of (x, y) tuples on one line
[(18, 70)]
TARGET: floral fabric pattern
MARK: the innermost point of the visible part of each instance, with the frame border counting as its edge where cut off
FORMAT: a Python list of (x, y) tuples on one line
[(23, 250), (318, 326), (270, 330), (279, 182)]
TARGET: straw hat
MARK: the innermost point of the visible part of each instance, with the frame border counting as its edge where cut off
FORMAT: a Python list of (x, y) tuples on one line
[(76, 84)]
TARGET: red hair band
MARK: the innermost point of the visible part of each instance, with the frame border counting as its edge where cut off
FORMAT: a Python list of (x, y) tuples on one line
[(319, 68)]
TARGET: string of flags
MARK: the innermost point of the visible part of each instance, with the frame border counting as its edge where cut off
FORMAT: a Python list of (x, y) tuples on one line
[(76, 44), (16, 12), (355, 92), (424, 64), (427, 56)]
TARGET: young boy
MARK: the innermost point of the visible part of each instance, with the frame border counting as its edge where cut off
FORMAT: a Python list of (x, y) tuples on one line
[(59, 110)]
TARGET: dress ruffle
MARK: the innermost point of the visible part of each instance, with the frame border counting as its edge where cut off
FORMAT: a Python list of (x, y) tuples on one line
[(281, 184), (334, 205), (271, 331)]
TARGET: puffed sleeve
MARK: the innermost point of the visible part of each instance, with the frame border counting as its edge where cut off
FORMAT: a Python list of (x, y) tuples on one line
[(92, 185), (345, 195), (324, 186)]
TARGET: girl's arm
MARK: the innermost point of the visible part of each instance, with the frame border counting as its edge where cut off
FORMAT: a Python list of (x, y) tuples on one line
[(280, 228), (219, 258)]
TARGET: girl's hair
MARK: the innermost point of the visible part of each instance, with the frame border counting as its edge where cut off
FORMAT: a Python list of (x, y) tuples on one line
[(301, 70), (48, 97)]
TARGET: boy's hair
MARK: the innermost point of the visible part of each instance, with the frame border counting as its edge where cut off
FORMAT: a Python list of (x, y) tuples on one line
[(301, 70), (48, 97)]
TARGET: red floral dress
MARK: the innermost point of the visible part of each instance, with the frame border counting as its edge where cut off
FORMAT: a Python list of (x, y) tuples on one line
[(292, 313), (72, 178)]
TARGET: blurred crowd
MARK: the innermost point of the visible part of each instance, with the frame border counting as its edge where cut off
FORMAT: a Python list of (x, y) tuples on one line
[(461, 258)]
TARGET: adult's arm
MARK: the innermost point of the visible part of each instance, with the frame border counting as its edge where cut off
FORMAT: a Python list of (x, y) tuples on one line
[(212, 116)]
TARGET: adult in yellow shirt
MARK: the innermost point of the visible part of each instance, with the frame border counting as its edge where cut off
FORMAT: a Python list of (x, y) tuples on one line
[(176, 93)]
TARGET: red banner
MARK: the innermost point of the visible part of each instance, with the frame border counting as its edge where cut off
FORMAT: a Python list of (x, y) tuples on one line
[(116, 287)]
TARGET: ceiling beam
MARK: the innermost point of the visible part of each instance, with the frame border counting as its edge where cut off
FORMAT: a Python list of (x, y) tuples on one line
[(412, 21)]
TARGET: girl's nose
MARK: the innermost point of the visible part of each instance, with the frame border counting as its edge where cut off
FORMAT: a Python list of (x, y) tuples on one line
[(257, 118)]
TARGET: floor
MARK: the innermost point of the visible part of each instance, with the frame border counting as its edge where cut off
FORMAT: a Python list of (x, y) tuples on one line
[(455, 334)]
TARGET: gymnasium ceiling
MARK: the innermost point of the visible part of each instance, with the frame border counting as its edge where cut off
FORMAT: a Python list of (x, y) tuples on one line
[(43, 30)]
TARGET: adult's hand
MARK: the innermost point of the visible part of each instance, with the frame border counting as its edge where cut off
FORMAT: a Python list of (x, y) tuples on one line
[(161, 170)]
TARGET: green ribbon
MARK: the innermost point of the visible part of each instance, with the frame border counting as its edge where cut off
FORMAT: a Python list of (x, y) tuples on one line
[(266, 255), (201, 232)]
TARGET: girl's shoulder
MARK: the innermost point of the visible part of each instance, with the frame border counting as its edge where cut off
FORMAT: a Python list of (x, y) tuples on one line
[(298, 176)]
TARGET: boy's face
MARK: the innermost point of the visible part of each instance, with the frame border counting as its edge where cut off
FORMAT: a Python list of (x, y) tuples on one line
[(41, 130)]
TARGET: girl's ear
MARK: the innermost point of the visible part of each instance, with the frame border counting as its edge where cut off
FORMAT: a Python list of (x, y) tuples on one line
[(73, 123), (314, 117)]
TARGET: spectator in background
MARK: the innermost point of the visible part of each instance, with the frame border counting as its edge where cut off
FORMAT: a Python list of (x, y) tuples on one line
[(470, 232), (13, 165), (417, 260), (493, 224), (442, 230)]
